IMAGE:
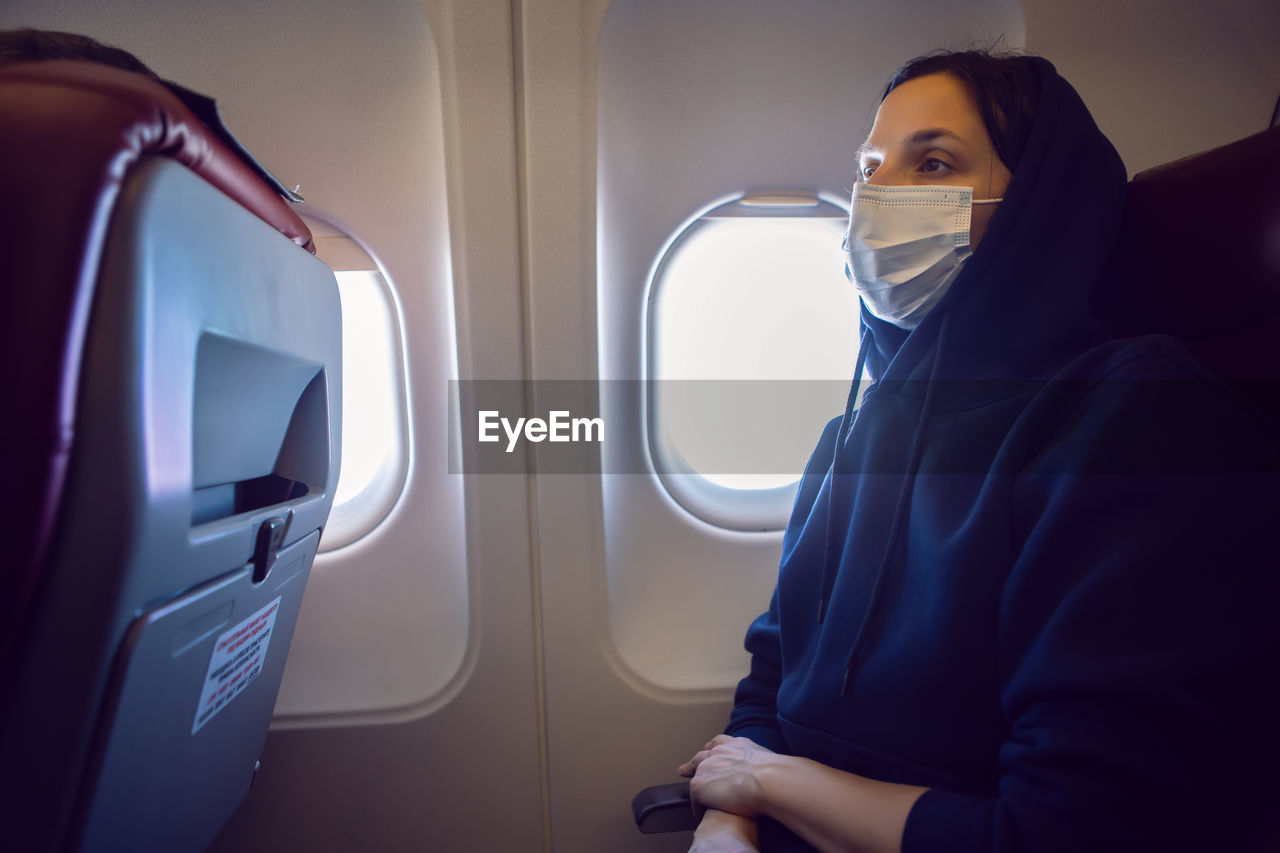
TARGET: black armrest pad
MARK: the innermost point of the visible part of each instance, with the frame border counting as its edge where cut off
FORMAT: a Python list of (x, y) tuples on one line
[(664, 808)]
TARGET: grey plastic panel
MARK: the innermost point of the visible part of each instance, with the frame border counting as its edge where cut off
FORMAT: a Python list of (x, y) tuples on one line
[(238, 425), (188, 280), (176, 793)]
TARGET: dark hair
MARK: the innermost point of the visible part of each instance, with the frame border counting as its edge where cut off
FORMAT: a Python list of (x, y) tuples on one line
[(1005, 87), (28, 45)]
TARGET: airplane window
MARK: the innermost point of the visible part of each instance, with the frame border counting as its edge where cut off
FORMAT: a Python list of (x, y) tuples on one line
[(374, 415), (753, 337), (372, 439)]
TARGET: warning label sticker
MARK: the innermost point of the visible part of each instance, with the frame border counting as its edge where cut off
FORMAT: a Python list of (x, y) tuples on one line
[(236, 662)]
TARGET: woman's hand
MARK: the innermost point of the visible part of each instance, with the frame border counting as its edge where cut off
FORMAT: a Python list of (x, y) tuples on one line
[(721, 832), (829, 808), (726, 775), (723, 841)]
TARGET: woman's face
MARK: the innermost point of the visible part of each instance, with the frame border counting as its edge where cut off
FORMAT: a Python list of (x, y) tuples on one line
[(928, 131)]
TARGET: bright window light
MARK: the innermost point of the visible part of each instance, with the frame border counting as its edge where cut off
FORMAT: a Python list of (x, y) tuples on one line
[(373, 452), (761, 304)]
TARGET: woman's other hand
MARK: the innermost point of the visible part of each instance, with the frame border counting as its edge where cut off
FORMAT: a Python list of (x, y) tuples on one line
[(721, 832), (726, 775)]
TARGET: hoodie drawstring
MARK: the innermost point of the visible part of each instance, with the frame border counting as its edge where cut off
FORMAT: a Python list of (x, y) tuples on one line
[(895, 528), (846, 426)]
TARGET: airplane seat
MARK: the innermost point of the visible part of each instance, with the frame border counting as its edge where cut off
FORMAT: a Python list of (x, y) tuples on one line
[(1198, 259), (170, 448)]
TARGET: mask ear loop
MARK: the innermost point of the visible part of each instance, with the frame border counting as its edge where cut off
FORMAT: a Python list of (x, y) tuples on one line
[(991, 167)]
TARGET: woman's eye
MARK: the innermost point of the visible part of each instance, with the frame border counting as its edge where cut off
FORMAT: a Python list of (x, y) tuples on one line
[(933, 164), (865, 172)]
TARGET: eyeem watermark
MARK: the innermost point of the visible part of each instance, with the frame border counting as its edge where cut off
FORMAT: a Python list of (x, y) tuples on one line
[(768, 428), (560, 426)]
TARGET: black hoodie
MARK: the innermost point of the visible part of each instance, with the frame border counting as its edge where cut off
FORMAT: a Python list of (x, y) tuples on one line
[(1026, 573)]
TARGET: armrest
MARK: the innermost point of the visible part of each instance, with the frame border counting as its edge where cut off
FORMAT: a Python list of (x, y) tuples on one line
[(664, 808)]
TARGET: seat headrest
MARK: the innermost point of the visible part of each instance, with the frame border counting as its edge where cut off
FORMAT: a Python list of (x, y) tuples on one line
[(70, 134), (96, 119), (1199, 258)]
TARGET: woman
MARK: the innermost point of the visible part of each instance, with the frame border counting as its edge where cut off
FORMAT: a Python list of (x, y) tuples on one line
[(1012, 608)]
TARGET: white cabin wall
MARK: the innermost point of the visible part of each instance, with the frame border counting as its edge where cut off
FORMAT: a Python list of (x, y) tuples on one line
[(466, 775), (1165, 79)]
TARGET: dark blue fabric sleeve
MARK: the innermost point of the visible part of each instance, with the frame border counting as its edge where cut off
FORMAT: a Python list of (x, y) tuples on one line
[(1137, 657), (755, 703)]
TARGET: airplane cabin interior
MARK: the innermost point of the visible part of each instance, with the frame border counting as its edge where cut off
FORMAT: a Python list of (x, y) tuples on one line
[(408, 401)]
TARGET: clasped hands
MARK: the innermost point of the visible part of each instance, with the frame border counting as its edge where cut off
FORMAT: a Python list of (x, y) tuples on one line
[(726, 778), (726, 775), (735, 780)]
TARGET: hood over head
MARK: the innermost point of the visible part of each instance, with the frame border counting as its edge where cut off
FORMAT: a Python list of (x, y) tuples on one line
[(1019, 307), (1017, 311)]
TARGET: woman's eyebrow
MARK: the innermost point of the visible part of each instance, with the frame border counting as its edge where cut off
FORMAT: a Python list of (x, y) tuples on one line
[(921, 137), (930, 134)]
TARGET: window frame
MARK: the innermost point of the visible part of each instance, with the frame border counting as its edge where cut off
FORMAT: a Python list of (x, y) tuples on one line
[(361, 514), (747, 510)]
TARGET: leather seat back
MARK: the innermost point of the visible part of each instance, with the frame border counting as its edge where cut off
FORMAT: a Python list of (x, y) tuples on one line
[(174, 354)]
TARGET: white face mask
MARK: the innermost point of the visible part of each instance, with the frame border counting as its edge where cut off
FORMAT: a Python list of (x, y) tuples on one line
[(905, 246)]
